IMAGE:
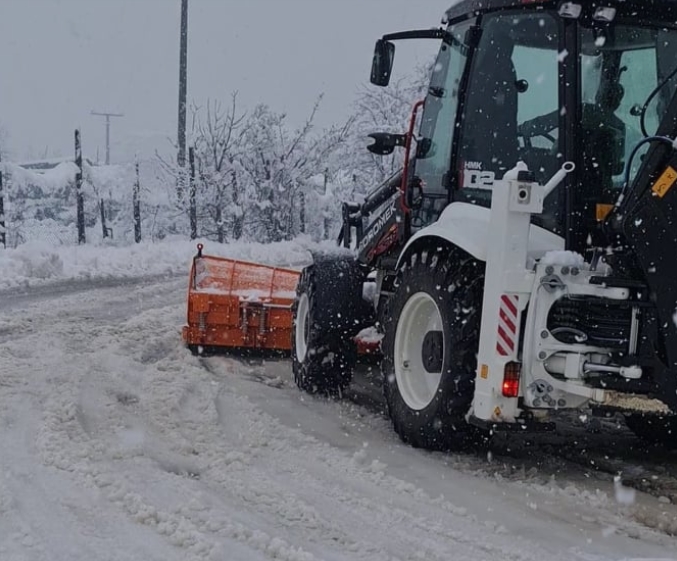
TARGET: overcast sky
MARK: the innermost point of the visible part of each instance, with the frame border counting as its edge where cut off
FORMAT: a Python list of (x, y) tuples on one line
[(61, 59)]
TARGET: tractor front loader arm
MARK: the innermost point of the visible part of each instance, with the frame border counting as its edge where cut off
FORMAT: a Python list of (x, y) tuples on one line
[(354, 213)]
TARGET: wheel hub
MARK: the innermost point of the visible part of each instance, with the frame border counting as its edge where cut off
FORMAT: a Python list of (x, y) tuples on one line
[(432, 351)]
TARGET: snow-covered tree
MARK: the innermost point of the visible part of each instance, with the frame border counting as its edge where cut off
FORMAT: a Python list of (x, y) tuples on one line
[(217, 139), (4, 143), (378, 109), (257, 176), (279, 166)]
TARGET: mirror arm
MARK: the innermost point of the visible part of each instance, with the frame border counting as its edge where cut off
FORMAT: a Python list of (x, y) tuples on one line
[(385, 143), (421, 34)]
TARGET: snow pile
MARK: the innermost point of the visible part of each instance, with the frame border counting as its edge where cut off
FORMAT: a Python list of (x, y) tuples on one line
[(38, 262), (369, 335), (568, 258), (512, 174)]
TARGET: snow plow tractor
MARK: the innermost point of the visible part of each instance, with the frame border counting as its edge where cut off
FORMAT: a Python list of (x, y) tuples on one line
[(524, 260)]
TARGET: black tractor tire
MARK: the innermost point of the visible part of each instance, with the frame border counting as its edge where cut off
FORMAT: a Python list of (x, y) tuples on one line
[(454, 281), (656, 429), (328, 312)]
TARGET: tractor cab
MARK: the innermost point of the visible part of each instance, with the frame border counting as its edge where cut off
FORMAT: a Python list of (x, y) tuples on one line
[(547, 126), (543, 83)]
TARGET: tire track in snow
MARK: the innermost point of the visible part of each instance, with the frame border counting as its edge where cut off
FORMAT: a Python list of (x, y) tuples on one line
[(258, 437), (44, 515), (178, 408), (386, 506), (577, 450), (533, 473), (40, 367), (72, 427)]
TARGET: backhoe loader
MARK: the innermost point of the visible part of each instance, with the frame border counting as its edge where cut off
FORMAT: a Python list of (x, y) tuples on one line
[(524, 260)]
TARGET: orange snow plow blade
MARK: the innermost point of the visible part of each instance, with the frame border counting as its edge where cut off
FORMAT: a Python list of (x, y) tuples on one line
[(239, 305)]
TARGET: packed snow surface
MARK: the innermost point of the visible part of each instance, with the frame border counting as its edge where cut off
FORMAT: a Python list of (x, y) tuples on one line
[(117, 444)]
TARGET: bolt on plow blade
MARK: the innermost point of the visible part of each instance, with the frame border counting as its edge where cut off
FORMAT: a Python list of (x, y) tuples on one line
[(239, 305)]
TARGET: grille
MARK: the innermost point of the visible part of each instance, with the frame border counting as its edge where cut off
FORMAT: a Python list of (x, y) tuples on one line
[(591, 321)]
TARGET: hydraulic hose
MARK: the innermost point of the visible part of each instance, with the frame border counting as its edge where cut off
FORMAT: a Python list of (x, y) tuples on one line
[(658, 88), (628, 167)]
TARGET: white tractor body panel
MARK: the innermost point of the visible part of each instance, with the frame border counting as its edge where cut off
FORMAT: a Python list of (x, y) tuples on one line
[(522, 365), (527, 365), (468, 227)]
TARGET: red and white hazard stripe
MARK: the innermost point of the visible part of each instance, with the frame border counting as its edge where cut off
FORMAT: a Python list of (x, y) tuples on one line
[(506, 343)]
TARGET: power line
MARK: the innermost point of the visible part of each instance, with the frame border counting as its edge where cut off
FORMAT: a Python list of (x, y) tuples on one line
[(108, 116)]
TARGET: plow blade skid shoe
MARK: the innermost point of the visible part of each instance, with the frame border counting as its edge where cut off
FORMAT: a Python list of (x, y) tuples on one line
[(239, 305)]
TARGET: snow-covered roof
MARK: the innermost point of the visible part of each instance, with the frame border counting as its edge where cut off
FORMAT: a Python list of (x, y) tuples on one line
[(49, 179), (46, 163)]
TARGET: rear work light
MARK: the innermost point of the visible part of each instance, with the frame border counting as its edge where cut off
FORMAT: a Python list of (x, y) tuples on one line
[(570, 10), (606, 15), (511, 379)]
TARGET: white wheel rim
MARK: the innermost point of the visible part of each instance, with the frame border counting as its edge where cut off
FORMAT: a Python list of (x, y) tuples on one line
[(301, 338), (419, 316)]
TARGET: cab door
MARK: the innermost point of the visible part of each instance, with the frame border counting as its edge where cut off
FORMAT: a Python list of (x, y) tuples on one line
[(511, 108), (438, 126)]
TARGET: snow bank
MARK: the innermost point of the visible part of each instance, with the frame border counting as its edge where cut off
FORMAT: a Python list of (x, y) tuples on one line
[(39, 263)]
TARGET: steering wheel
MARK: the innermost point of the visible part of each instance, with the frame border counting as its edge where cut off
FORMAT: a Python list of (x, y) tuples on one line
[(547, 136), (539, 126)]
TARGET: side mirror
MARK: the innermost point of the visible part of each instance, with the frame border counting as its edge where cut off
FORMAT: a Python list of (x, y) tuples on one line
[(382, 65), (385, 143)]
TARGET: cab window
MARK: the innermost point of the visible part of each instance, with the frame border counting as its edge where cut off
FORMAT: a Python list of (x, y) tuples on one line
[(438, 125), (511, 112)]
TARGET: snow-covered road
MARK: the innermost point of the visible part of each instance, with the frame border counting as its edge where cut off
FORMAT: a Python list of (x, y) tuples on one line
[(117, 444)]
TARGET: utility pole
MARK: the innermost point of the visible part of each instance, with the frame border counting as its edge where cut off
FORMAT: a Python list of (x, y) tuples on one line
[(327, 222), (108, 116), (193, 204), (78, 189), (136, 204), (183, 83), (3, 231)]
